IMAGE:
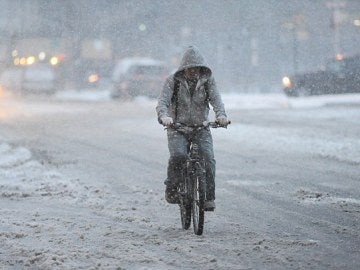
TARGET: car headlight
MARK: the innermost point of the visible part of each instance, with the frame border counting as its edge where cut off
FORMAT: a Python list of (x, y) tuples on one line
[(93, 78), (286, 82)]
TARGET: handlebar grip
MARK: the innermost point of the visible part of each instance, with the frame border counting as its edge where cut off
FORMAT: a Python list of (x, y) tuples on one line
[(217, 124)]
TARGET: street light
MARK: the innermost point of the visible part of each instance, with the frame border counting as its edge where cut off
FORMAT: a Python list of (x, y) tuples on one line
[(291, 26), (142, 27), (337, 18)]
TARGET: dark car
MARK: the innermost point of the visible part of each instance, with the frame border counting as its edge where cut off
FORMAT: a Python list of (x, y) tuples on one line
[(138, 77), (93, 73), (340, 76)]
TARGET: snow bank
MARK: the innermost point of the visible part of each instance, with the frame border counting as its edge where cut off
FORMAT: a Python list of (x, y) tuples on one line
[(21, 175), (279, 101), (10, 157), (232, 101)]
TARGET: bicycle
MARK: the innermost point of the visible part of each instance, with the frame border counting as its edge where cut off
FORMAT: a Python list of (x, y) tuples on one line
[(192, 188)]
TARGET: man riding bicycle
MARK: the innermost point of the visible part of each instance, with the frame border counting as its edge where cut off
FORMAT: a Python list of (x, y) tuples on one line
[(185, 99)]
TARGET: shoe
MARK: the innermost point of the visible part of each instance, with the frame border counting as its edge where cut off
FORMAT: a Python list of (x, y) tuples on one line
[(171, 195), (209, 206)]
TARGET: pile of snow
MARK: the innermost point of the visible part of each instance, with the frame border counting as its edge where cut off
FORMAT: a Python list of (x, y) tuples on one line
[(21, 175), (10, 156)]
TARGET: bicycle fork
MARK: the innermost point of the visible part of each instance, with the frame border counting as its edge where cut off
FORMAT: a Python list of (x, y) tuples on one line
[(197, 171)]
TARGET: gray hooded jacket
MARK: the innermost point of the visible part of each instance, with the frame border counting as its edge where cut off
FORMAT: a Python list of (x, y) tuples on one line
[(190, 109)]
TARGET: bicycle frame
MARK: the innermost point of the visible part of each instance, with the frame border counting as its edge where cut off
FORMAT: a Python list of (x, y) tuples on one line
[(193, 167), (192, 188)]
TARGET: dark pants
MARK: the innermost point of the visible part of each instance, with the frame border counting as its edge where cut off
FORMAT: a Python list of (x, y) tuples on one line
[(178, 144)]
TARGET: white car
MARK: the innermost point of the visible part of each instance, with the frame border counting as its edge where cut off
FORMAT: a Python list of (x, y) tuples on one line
[(138, 76), (39, 78)]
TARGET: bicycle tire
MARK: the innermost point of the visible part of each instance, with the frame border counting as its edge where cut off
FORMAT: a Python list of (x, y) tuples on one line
[(185, 205), (185, 213), (198, 204)]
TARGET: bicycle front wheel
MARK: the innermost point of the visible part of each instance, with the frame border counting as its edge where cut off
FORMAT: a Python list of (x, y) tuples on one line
[(198, 205), (185, 205), (185, 213)]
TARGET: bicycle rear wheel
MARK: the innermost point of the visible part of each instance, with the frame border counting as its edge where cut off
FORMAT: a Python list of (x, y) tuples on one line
[(198, 205)]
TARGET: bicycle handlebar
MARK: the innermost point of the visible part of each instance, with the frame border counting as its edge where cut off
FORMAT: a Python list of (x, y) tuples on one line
[(216, 124), (205, 124)]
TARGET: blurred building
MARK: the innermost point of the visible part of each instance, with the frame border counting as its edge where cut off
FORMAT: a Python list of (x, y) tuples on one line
[(250, 44)]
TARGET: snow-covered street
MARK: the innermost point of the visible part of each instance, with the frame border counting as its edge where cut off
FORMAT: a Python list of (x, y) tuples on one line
[(81, 180)]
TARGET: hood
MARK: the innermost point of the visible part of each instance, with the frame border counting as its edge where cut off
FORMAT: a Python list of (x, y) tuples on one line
[(193, 58)]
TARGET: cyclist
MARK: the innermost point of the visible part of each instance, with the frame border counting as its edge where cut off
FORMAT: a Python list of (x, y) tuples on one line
[(185, 99)]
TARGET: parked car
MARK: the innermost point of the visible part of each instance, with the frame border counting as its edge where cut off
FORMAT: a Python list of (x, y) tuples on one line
[(339, 76), (138, 76), (37, 78)]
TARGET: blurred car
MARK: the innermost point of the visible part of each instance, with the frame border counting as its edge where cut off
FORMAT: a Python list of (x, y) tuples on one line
[(93, 73), (11, 78), (138, 77), (340, 75), (37, 78)]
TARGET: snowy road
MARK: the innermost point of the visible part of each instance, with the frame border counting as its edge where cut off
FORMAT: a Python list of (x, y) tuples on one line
[(82, 187)]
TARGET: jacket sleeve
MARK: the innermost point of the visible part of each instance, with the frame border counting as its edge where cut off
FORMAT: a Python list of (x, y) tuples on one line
[(215, 99), (164, 99)]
